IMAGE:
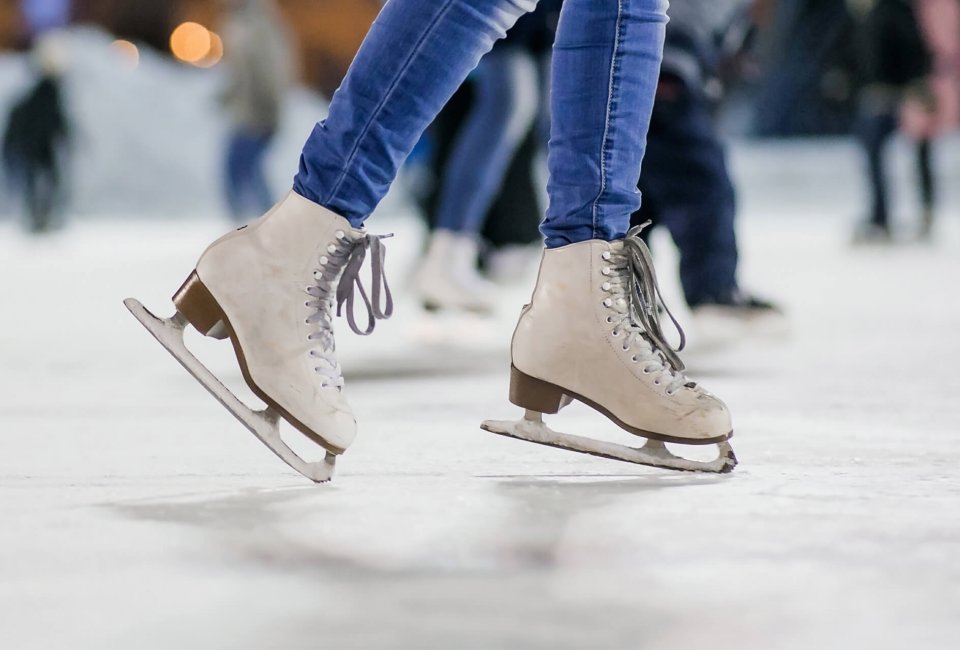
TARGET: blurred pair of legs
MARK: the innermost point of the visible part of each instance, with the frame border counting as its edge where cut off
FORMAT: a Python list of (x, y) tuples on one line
[(248, 193), (687, 189), (875, 130), (42, 188), (505, 102)]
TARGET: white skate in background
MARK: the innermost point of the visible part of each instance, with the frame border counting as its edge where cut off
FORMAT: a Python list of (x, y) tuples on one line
[(448, 279), (716, 327)]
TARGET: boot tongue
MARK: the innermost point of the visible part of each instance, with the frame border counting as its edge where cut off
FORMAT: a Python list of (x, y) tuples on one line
[(615, 246)]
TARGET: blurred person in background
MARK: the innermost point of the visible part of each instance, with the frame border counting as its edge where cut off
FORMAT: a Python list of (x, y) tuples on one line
[(511, 232), (927, 115), (685, 180), (507, 231), (40, 16), (258, 57), (894, 66), (36, 140), (804, 83), (504, 104)]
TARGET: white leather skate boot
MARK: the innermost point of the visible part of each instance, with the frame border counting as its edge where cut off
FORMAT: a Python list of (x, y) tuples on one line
[(592, 333), (271, 287), (448, 278)]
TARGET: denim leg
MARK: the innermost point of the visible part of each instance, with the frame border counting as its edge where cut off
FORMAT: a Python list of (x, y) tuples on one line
[(415, 56), (259, 186), (685, 174), (706, 238), (504, 108), (875, 131), (606, 63), (248, 193), (925, 177), (235, 175)]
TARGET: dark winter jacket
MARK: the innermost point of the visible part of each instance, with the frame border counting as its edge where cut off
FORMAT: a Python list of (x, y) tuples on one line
[(698, 38), (890, 47), (36, 129)]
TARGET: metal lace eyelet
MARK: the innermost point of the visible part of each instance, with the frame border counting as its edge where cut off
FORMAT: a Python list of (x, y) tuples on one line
[(646, 372), (656, 382), (625, 349), (606, 255), (634, 359), (324, 260), (615, 332), (605, 286), (607, 303), (609, 321), (670, 393), (606, 270), (331, 248), (341, 234)]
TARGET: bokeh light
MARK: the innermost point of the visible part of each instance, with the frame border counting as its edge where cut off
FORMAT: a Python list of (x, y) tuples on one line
[(128, 52), (191, 42), (215, 53)]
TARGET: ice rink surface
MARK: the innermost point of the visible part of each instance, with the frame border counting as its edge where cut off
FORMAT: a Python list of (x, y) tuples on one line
[(136, 513)]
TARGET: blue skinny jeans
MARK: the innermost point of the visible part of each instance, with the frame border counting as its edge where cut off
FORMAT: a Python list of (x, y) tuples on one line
[(606, 62), (247, 190)]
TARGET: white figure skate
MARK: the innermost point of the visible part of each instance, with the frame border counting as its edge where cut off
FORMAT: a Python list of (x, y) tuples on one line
[(592, 333), (270, 287), (448, 279), (737, 318)]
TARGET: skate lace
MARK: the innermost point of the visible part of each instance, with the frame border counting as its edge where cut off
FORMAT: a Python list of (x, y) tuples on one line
[(635, 301), (344, 259)]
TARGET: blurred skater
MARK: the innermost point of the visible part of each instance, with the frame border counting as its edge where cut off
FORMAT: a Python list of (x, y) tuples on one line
[(35, 143), (501, 111), (685, 179), (925, 116), (509, 237), (894, 64), (511, 232), (258, 57)]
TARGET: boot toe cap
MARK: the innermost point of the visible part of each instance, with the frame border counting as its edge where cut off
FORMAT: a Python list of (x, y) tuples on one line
[(710, 419)]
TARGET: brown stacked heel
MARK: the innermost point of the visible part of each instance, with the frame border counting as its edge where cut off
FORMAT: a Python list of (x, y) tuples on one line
[(534, 394), (200, 308)]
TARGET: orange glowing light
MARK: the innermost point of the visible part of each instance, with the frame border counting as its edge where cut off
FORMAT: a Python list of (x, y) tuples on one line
[(128, 51), (191, 42), (215, 53)]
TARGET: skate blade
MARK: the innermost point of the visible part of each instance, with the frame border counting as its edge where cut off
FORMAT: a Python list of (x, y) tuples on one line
[(265, 424), (653, 454)]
